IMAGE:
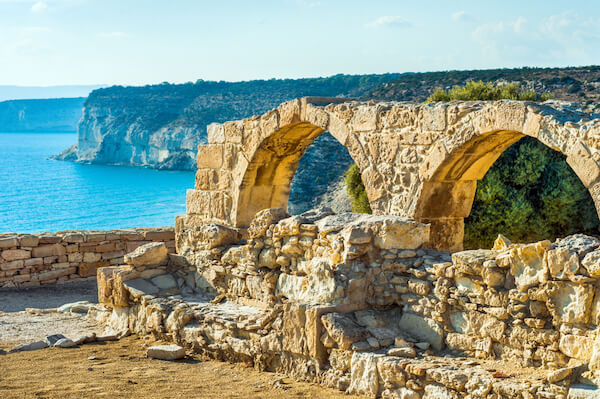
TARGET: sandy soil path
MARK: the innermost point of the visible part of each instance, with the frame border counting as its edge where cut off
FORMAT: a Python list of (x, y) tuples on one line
[(116, 369), (121, 370)]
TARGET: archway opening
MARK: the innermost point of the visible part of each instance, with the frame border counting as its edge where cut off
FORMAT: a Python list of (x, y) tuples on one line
[(268, 178), (536, 203), (529, 194), (319, 179)]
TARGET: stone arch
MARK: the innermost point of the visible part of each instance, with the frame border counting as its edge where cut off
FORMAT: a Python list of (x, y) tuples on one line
[(452, 167), (248, 165)]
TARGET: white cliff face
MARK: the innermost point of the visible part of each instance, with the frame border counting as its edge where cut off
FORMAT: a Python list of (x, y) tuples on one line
[(103, 139), (160, 126)]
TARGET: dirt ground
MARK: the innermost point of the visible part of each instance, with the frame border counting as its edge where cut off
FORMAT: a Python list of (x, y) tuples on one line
[(48, 296), (121, 370)]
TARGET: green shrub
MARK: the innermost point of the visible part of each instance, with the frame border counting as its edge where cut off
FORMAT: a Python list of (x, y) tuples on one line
[(356, 189), (478, 90)]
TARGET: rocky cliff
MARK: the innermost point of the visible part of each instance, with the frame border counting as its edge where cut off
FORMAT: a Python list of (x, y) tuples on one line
[(160, 126), (45, 115)]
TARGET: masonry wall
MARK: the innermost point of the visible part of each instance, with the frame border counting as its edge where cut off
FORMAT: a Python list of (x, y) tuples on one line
[(51, 258)]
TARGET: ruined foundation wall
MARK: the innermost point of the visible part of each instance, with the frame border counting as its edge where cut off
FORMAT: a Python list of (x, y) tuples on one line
[(356, 303), (50, 258)]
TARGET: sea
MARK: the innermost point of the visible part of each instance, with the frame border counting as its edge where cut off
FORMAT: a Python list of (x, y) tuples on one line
[(41, 195)]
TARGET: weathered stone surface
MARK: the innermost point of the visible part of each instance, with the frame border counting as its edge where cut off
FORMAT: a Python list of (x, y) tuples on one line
[(29, 347), (64, 343), (166, 352), (265, 218), (527, 264), (591, 262), (139, 287), (576, 346), (151, 254), (363, 374), (423, 328), (343, 330), (471, 262)]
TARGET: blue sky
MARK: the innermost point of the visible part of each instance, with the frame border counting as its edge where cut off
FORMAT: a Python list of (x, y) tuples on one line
[(52, 42)]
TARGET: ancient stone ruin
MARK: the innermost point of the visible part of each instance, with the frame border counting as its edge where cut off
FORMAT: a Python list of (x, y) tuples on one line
[(387, 304)]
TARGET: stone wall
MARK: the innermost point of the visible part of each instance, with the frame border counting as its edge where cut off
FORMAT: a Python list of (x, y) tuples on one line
[(421, 161), (357, 303), (49, 258)]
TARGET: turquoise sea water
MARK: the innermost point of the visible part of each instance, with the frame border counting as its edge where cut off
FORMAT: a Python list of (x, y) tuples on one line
[(39, 195)]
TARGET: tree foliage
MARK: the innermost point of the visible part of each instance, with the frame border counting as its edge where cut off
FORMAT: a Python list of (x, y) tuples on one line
[(356, 190), (529, 194)]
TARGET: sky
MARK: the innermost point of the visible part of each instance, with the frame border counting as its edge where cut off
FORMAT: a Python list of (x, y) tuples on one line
[(132, 42)]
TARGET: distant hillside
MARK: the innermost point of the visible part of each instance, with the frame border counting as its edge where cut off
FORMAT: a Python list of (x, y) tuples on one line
[(51, 115), (160, 126), (579, 84), (37, 92)]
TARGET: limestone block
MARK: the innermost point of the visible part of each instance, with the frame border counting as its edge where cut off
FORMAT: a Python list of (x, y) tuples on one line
[(510, 115), (265, 218), (289, 112), (29, 241), (166, 352), (562, 263), (439, 392), (365, 119), (569, 302), (501, 243), (484, 325), (318, 287), (8, 242), (391, 371), (269, 123), (151, 254), (293, 329), (583, 391), (90, 257), (394, 232), (210, 156), (74, 238), (591, 262), (233, 132), (364, 379), (527, 264), (215, 133), (423, 328), (164, 281), (583, 164), (220, 205), (267, 258), (15, 254), (48, 250), (340, 359), (213, 235), (434, 117), (343, 330), (576, 346), (471, 262), (578, 243)]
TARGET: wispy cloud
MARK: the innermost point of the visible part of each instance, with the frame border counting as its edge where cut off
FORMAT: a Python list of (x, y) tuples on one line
[(389, 21), (111, 34), (39, 6), (309, 4), (462, 16), (566, 37)]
